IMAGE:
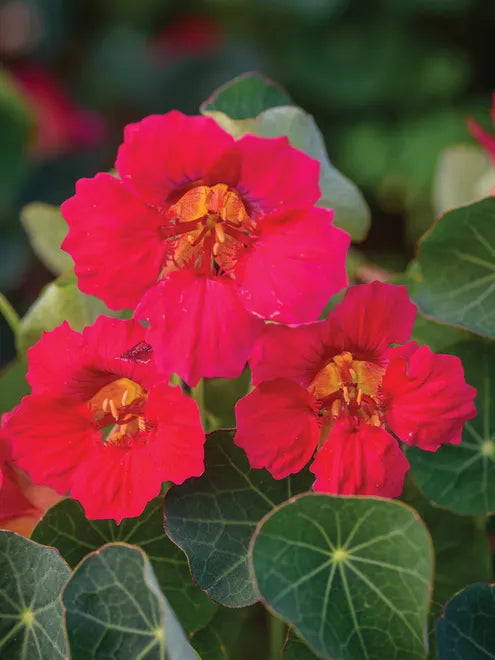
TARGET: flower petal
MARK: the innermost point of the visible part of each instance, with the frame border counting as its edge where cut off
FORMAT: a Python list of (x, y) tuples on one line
[(277, 427), (359, 460), (274, 175), (114, 241), (294, 266), (198, 326), (163, 153), (116, 482), (296, 354), (50, 437), (372, 317), (178, 447), (426, 398)]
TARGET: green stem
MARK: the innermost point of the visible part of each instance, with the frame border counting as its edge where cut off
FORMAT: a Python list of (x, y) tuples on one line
[(10, 315), (277, 637)]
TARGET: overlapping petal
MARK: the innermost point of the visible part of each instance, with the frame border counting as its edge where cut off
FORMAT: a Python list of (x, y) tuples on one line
[(427, 400), (114, 241), (301, 257), (198, 326), (359, 459), (277, 427)]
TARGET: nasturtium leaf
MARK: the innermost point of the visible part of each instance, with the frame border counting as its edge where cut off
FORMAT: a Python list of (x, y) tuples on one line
[(61, 300), (351, 574), (460, 177), (31, 580), (233, 633), (213, 517), (462, 477), (466, 630), (457, 260), (296, 649), (245, 97), (114, 608), (66, 527), (46, 229), (462, 551), (337, 191)]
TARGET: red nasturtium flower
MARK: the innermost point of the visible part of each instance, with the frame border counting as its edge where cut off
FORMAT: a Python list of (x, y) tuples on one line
[(22, 503), (340, 387), (208, 236), (101, 423)]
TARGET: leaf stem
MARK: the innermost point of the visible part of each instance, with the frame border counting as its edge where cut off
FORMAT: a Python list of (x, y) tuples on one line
[(10, 315)]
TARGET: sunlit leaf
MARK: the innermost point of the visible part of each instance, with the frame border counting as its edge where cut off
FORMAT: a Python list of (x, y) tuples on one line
[(46, 229)]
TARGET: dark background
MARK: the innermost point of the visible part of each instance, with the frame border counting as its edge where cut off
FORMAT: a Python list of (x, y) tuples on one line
[(390, 82)]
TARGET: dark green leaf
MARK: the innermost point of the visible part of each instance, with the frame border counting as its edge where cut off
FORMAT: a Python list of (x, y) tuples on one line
[(462, 477), (114, 608), (237, 633), (462, 551), (46, 229), (31, 579), (221, 395), (296, 649), (466, 631), (351, 574), (245, 97), (337, 191), (212, 518), (457, 260), (61, 300), (66, 527)]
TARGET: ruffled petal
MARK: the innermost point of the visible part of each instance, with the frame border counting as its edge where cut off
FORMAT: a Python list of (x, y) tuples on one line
[(274, 175), (161, 154), (426, 398), (55, 361), (13, 502), (50, 437), (277, 427), (294, 266), (116, 482), (178, 446), (372, 317), (198, 326), (359, 460), (114, 241), (296, 354)]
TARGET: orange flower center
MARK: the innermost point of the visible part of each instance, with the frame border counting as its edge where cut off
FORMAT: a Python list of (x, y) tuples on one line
[(208, 227), (118, 407), (347, 388)]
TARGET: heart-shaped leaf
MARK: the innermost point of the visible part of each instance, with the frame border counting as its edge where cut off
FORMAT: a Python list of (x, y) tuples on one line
[(462, 477), (466, 629), (31, 579), (457, 260), (213, 517), (66, 527), (351, 574), (113, 606), (46, 229)]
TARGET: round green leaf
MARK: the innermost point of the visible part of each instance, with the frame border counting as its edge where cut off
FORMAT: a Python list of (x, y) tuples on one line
[(351, 574), (457, 260), (245, 97), (212, 518), (462, 477), (60, 301), (466, 629), (114, 608), (296, 649), (31, 579), (46, 229), (66, 527)]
